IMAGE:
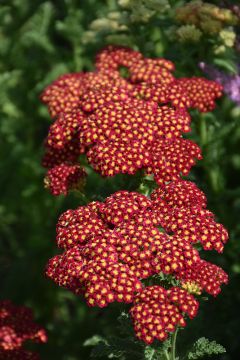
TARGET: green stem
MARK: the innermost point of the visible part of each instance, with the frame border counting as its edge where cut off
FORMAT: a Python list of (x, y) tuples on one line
[(166, 355), (203, 131), (143, 189), (77, 55), (212, 172), (173, 347), (145, 186)]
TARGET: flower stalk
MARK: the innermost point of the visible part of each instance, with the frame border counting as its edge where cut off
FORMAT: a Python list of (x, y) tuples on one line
[(166, 355), (173, 345)]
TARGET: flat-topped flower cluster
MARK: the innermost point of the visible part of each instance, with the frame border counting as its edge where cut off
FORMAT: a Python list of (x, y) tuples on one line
[(123, 124), (117, 249), (111, 247), (16, 327)]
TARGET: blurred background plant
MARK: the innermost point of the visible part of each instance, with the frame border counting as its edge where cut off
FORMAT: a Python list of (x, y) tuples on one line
[(41, 40)]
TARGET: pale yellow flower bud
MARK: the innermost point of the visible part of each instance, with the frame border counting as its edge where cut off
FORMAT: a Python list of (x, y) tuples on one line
[(220, 49), (88, 37), (189, 13), (188, 33), (124, 3), (210, 26), (114, 15), (104, 24), (228, 37), (192, 287)]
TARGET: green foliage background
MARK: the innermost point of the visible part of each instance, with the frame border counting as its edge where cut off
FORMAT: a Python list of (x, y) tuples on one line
[(39, 40)]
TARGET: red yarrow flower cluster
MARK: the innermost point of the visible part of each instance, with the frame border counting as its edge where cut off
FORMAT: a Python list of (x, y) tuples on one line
[(124, 124), (111, 247), (16, 327), (182, 210), (201, 92), (62, 178), (18, 354), (203, 276), (157, 312)]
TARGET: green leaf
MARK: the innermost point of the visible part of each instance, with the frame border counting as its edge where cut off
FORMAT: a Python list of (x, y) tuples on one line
[(203, 347), (116, 347), (157, 350), (125, 325), (226, 64), (93, 341), (149, 353), (101, 350)]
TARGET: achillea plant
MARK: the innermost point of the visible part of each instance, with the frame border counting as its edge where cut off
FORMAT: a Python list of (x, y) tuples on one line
[(140, 247), (17, 327), (200, 18), (126, 124)]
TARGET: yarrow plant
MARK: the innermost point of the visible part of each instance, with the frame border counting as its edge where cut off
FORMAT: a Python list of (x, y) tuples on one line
[(199, 18), (123, 124), (194, 24), (137, 247), (16, 327)]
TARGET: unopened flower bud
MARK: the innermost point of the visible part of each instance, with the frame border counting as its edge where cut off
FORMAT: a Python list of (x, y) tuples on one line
[(189, 33), (228, 37)]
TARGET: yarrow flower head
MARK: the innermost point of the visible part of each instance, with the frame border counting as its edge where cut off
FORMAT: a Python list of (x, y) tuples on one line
[(189, 33), (17, 327), (65, 155), (203, 277), (202, 92), (62, 178), (126, 123), (206, 16), (111, 247), (157, 312), (181, 207)]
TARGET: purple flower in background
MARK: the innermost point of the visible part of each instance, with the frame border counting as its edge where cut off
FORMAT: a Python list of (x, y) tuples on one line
[(230, 83)]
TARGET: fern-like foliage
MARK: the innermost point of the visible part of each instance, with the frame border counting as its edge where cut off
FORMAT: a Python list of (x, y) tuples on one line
[(126, 346), (204, 348)]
